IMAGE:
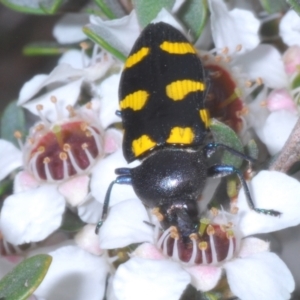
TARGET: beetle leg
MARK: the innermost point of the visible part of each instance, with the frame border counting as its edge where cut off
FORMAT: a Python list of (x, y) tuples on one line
[(122, 179), (211, 148), (218, 171)]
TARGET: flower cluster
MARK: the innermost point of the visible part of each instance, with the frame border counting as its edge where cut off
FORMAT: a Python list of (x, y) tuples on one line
[(66, 163)]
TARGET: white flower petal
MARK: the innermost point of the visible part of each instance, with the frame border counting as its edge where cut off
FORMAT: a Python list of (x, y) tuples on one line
[(257, 112), (126, 225), (230, 29), (69, 28), (119, 33), (74, 58), (252, 245), (62, 73), (103, 174), (148, 251), (264, 62), (260, 276), (74, 274), (277, 129), (88, 240), (204, 278), (32, 215), (149, 279), (66, 95), (90, 211), (289, 28), (270, 190), (177, 5), (112, 140), (109, 100), (24, 181), (11, 158), (166, 17), (31, 87), (75, 189), (99, 68)]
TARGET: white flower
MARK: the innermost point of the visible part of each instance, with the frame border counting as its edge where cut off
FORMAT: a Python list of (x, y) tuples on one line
[(69, 28), (73, 274), (77, 145), (255, 60), (289, 28), (65, 81), (148, 266), (233, 28)]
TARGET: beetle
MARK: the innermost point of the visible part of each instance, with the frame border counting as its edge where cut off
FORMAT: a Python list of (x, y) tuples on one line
[(162, 105)]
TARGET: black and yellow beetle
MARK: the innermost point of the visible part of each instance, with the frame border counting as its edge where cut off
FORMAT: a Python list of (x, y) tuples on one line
[(162, 105)]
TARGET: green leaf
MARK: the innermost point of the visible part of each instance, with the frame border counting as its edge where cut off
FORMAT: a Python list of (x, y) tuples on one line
[(13, 119), (295, 4), (40, 49), (147, 10), (105, 9), (101, 36), (296, 82), (41, 7), (223, 134), (274, 6), (71, 222), (23, 280), (252, 149), (193, 14), (6, 189)]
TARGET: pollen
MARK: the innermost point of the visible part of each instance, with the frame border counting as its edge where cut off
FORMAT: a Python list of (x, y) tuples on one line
[(39, 127), (84, 45), (210, 230), (156, 212), (238, 48), (17, 134), (89, 105), (71, 111), (39, 107), (83, 126), (174, 234), (46, 160), (66, 147), (225, 50), (41, 149), (203, 245), (84, 146), (259, 81), (214, 211), (88, 133), (63, 155), (193, 236)]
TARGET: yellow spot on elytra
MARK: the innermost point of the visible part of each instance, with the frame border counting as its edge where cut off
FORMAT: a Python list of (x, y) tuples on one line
[(205, 117), (177, 90), (142, 144), (181, 135), (177, 48), (135, 101), (136, 57)]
